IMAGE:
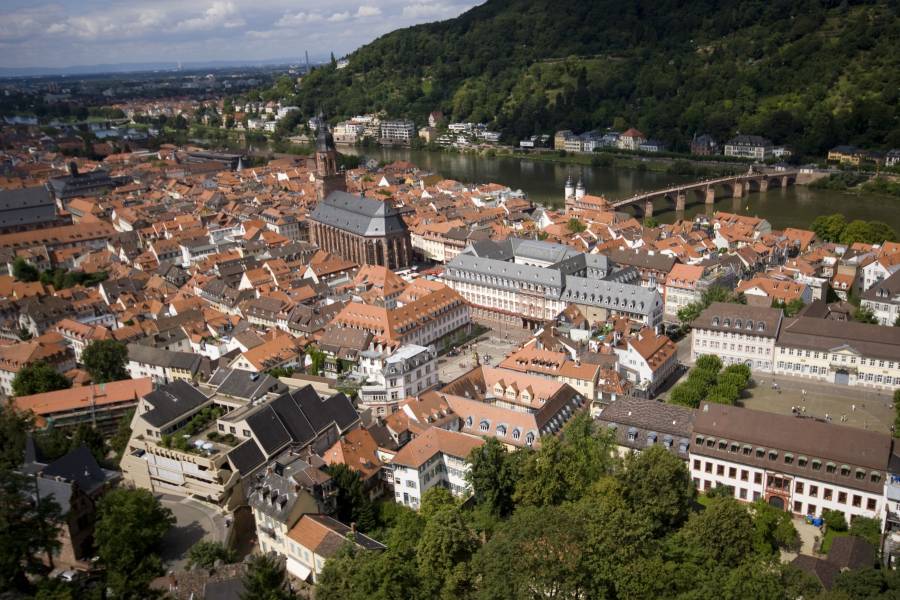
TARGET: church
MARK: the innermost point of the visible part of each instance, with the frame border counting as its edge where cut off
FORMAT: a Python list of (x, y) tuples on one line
[(327, 177), (361, 229)]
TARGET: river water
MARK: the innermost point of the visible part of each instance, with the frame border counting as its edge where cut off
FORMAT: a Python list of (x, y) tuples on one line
[(543, 182)]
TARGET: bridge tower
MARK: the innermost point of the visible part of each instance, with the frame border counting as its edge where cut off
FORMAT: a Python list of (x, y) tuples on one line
[(579, 190)]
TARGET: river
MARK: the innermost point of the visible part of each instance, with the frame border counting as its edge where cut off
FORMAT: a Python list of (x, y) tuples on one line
[(543, 182)]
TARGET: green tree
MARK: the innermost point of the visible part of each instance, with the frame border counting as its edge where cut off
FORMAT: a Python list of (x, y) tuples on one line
[(266, 579), (523, 546), (688, 314), (89, 436), (773, 529), (864, 314), (866, 528), (723, 533), (28, 529), (446, 544), (130, 526), (657, 484), (861, 584), (353, 504), (493, 476), (317, 360), (575, 225), (119, 441), (834, 520), (566, 466), (38, 377), (204, 554), (105, 360), (24, 271), (434, 500), (829, 228), (14, 428), (708, 362)]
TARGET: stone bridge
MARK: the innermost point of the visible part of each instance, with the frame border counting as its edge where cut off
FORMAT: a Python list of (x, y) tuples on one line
[(733, 186)]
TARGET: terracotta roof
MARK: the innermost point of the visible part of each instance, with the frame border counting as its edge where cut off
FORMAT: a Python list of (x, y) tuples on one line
[(433, 441), (76, 398)]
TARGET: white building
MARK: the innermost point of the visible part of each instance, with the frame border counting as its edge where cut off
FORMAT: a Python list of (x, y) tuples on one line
[(647, 359), (437, 457), (840, 352), (738, 334), (749, 146), (392, 375), (316, 538), (803, 466), (883, 299), (399, 130)]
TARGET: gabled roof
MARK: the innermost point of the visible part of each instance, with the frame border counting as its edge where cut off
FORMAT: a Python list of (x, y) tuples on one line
[(359, 215)]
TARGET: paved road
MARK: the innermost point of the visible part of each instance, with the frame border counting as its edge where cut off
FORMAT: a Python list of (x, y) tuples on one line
[(490, 344), (194, 521)]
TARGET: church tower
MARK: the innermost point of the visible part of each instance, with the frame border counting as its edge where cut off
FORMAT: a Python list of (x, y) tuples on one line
[(327, 176)]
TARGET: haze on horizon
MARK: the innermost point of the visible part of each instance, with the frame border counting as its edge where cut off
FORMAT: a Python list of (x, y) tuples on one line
[(70, 33)]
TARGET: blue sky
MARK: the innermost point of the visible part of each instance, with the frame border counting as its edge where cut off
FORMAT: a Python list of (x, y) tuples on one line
[(84, 32)]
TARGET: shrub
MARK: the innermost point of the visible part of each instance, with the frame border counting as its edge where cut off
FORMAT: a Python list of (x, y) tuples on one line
[(834, 520)]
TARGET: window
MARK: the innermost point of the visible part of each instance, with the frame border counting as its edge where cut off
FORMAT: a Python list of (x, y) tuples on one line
[(757, 478), (760, 453), (720, 469), (814, 491), (845, 471), (830, 468), (732, 472), (798, 487), (857, 501), (709, 467), (484, 426), (826, 493), (798, 506), (696, 464), (801, 461), (745, 475), (747, 450), (516, 433), (875, 477), (742, 494), (788, 458), (810, 509), (870, 504), (816, 464), (860, 474), (501, 430), (842, 497), (773, 455)]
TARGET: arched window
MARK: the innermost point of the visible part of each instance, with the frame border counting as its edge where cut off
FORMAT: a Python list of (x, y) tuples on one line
[(516, 433), (484, 425), (749, 324), (727, 322), (738, 323), (715, 321), (529, 438), (501, 430)]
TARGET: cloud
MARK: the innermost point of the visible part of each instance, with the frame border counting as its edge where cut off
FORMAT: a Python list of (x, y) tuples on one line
[(220, 14), (427, 10), (368, 11), (300, 18), (85, 32)]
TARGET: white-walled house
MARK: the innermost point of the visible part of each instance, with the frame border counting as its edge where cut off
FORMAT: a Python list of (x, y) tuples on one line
[(437, 457)]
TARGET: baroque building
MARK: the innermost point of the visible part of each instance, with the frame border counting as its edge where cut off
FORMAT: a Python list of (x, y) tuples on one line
[(362, 230)]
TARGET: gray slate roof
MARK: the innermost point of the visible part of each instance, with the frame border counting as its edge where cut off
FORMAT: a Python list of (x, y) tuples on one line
[(26, 206), (171, 401), (359, 215), (159, 357), (244, 384)]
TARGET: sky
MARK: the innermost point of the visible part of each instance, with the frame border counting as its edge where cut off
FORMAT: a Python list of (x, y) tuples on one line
[(88, 32)]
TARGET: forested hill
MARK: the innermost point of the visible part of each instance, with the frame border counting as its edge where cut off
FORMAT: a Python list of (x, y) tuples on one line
[(810, 73)]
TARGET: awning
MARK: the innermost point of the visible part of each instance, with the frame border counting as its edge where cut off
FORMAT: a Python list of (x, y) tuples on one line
[(298, 569)]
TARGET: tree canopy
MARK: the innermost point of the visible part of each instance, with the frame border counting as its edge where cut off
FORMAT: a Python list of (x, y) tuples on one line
[(105, 360), (38, 377)]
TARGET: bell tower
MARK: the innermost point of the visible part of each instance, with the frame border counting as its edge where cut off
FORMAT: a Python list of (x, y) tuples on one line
[(328, 177)]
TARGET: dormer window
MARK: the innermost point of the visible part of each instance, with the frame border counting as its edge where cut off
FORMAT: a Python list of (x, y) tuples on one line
[(501, 430), (738, 323), (761, 326), (484, 425), (529, 439), (516, 433), (727, 322), (750, 325)]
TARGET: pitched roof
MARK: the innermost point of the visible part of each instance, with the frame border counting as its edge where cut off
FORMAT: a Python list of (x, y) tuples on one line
[(325, 536), (433, 441), (76, 398), (358, 214)]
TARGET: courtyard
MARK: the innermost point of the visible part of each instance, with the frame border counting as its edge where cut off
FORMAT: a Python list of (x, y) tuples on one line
[(491, 348)]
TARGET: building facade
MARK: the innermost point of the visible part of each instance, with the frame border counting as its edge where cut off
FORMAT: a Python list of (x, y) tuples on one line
[(839, 352), (800, 465), (361, 230), (391, 375), (738, 334)]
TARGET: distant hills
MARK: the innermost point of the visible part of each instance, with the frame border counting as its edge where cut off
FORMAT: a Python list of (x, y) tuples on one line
[(141, 67), (808, 73)]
